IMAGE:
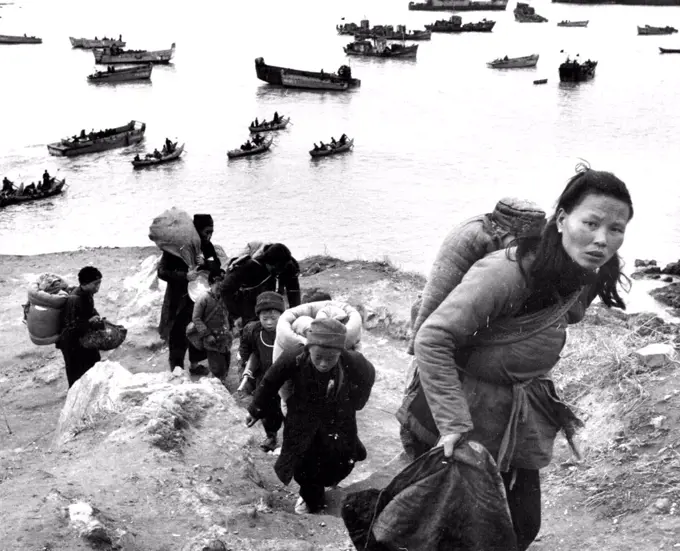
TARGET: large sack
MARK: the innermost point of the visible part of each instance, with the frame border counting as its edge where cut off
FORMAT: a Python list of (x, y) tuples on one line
[(43, 313), (108, 338), (435, 504), (174, 232)]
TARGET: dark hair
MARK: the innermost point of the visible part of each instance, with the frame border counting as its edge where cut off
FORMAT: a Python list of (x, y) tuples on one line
[(88, 274), (276, 254), (552, 271), (215, 274)]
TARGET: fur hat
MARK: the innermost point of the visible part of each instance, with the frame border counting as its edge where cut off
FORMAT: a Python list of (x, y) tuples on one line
[(202, 221), (269, 300), (327, 332), (520, 217)]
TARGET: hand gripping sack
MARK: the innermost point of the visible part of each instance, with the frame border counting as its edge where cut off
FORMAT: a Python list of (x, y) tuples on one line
[(174, 232), (46, 299), (108, 338)]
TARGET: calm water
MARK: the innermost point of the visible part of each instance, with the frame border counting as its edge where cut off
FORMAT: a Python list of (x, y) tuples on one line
[(436, 141)]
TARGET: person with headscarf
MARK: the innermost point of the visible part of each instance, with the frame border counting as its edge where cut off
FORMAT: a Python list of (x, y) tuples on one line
[(178, 307), (80, 316), (270, 268), (320, 438)]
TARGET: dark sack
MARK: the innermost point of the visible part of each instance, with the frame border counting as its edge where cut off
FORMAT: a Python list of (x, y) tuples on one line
[(435, 504), (108, 338)]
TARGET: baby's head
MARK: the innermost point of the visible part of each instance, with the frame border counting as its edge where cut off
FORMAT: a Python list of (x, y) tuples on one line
[(332, 312), (301, 325)]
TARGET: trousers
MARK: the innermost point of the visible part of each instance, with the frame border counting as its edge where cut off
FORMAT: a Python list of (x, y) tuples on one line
[(178, 342)]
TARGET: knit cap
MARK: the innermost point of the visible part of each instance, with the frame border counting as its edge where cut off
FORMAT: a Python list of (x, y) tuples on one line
[(520, 217), (269, 300), (327, 332)]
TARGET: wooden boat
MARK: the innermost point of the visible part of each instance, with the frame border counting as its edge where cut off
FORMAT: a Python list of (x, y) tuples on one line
[(669, 50), (649, 30), (283, 122), (332, 150), (567, 23), (294, 78), (524, 13), (108, 56), (9, 39), (13, 199), (541, 81), (458, 5), (388, 32), (455, 25), (514, 62), (236, 153), (575, 71), (91, 43), (122, 136), (122, 74), (151, 161), (379, 48)]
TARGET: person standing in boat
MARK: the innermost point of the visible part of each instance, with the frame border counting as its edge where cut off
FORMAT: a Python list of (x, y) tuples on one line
[(276, 118), (46, 179), (7, 185), (258, 139), (485, 354), (80, 316)]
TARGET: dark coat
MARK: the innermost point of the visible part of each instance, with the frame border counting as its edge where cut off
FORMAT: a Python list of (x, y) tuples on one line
[(173, 270), (246, 280), (311, 411), (78, 310), (435, 504)]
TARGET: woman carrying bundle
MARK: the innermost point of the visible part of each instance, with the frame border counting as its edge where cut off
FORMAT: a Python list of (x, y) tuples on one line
[(485, 354)]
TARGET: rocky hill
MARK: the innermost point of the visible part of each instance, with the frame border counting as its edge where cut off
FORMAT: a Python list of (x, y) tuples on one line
[(136, 457)]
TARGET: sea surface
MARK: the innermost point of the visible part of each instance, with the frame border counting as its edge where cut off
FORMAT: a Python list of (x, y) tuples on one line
[(437, 140)]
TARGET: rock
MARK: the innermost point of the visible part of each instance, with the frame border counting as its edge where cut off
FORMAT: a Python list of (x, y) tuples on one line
[(643, 263), (667, 279), (672, 269), (655, 355), (668, 295), (50, 373), (124, 541), (654, 276), (82, 518), (657, 422), (662, 505), (646, 323), (313, 269)]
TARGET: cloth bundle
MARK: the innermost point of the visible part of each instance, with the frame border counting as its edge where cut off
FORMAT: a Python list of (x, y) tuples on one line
[(173, 232), (107, 338)]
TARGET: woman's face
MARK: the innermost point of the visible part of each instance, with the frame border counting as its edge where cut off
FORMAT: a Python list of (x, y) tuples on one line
[(324, 359), (206, 233), (594, 230)]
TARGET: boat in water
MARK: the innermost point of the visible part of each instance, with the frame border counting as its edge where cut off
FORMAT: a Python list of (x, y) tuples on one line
[(310, 80), (567, 23), (122, 74), (669, 50), (266, 126), (92, 43), (111, 138), (455, 25), (541, 81), (524, 13), (56, 187), (256, 150), (364, 32), (379, 48), (330, 149), (10, 39), (459, 5), (514, 62), (108, 56), (572, 70), (649, 30), (150, 160)]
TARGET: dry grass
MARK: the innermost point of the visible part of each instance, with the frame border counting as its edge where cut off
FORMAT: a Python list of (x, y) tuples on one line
[(628, 462)]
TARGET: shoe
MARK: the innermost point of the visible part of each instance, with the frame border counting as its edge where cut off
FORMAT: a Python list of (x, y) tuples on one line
[(198, 369), (301, 507), (269, 444)]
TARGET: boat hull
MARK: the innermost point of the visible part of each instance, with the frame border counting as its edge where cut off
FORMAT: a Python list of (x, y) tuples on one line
[(295, 78), (328, 152), (106, 57), (129, 134), (142, 163), (9, 39), (573, 24), (57, 189), (669, 50), (515, 63), (655, 31), (621, 2), (122, 75), (470, 28), (472, 6), (280, 126), (576, 73), (90, 44), (238, 153), (408, 52)]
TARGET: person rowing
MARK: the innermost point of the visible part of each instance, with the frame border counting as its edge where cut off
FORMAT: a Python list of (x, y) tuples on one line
[(343, 139), (258, 139)]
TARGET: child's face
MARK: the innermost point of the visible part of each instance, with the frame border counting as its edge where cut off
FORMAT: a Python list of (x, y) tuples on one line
[(269, 319), (324, 359), (215, 285)]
